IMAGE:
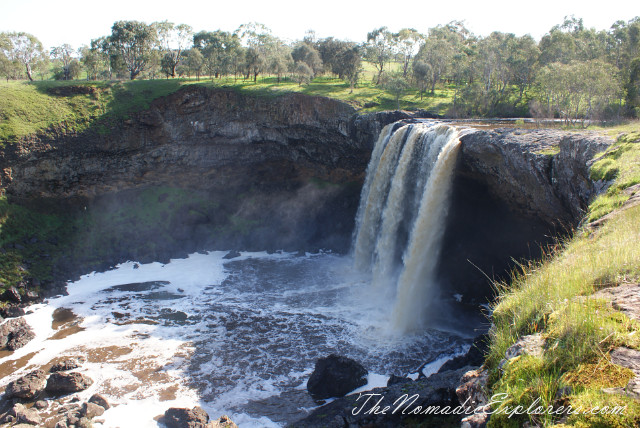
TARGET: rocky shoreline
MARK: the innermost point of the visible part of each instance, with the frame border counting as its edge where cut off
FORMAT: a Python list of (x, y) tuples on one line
[(404, 399)]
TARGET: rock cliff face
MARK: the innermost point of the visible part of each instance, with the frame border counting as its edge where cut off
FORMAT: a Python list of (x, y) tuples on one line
[(540, 173), (197, 138), (286, 171), (515, 191)]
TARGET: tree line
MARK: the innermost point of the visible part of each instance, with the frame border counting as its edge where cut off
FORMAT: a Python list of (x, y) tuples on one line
[(573, 72)]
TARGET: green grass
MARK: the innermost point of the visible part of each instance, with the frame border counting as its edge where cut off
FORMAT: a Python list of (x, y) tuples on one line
[(621, 162), (49, 106), (551, 298), (27, 108), (366, 96)]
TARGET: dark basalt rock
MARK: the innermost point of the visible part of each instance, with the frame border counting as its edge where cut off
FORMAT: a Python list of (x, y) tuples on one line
[(13, 295), (65, 365), (12, 311), (231, 255), (394, 380), (67, 383), (474, 357), (177, 417), (28, 386), (519, 168), (15, 333), (25, 416), (19, 338), (356, 410), (335, 376), (100, 400), (91, 410)]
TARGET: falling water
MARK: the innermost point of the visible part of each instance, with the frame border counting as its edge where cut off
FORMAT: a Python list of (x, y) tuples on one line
[(412, 171), (375, 194)]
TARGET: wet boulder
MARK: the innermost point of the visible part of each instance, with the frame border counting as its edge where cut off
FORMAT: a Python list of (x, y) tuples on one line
[(24, 415), (91, 410), (66, 383), (100, 400), (12, 294), (178, 417), (27, 386), (12, 311), (335, 376), (15, 333), (65, 365), (223, 422)]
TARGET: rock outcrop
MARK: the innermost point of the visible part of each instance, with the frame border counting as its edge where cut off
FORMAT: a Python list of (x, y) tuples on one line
[(540, 173), (472, 392), (179, 417), (335, 376), (388, 407), (197, 138), (15, 333), (66, 383), (28, 386), (285, 172)]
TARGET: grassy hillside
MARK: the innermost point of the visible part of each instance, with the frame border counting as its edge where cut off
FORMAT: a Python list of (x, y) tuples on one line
[(552, 298), (69, 107), (73, 106)]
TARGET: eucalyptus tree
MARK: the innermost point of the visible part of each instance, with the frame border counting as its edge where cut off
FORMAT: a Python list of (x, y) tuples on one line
[(9, 68), (379, 49), (265, 52), (303, 73), (571, 41), (101, 60), (632, 88), (421, 75), (437, 54), (219, 50), (334, 52), (397, 85), (350, 65), (154, 65), (95, 60), (172, 41), (65, 55), (523, 63), (24, 49), (624, 53), (307, 53), (194, 61), (256, 37), (133, 42), (580, 90), (408, 41)]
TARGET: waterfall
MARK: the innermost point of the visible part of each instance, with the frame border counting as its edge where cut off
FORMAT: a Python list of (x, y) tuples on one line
[(400, 220), (374, 194)]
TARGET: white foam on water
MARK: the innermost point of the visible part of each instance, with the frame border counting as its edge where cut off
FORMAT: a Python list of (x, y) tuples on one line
[(228, 335), (374, 380), (434, 366)]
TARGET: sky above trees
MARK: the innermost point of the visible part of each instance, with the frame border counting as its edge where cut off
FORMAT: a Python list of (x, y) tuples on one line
[(77, 22)]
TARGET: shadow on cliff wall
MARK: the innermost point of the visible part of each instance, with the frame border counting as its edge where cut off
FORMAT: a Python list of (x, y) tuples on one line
[(160, 222), (484, 240)]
